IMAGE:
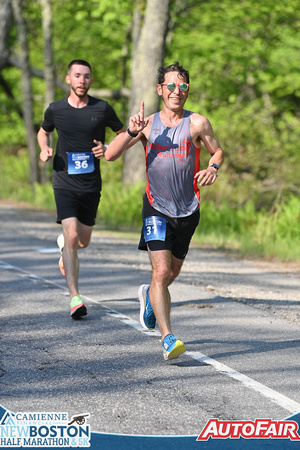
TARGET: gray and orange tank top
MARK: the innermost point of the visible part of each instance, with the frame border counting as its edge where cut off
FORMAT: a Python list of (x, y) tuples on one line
[(172, 160)]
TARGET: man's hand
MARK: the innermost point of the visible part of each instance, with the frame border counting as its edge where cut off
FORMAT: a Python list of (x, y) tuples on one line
[(138, 122), (206, 177), (46, 154), (99, 150)]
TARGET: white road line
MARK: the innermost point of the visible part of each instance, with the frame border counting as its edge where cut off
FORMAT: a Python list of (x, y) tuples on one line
[(133, 323), (274, 396), (31, 276)]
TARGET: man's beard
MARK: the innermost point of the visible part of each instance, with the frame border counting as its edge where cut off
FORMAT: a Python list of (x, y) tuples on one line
[(80, 93)]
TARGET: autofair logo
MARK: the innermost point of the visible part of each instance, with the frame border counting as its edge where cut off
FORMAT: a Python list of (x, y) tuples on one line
[(44, 429), (258, 429)]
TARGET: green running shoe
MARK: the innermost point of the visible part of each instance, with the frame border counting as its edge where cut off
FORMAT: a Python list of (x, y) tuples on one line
[(78, 308)]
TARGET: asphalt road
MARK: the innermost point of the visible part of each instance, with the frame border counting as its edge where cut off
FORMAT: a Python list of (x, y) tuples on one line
[(238, 319)]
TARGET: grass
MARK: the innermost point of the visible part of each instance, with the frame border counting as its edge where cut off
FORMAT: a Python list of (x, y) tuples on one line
[(265, 234)]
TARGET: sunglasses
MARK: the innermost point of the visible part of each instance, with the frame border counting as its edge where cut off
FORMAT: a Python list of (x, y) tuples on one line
[(183, 87)]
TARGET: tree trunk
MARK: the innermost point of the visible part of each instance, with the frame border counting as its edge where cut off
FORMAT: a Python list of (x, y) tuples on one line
[(149, 34), (49, 72), (5, 24), (27, 92)]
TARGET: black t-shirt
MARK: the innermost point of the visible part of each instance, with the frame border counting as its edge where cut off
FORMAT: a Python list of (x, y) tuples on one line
[(76, 129)]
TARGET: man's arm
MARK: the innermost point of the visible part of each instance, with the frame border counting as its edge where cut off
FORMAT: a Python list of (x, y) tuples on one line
[(100, 149), (206, 135), (119, 145), (123, 141), (43, 140)]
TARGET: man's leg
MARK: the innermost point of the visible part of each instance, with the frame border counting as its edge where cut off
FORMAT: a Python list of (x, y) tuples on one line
[(165, 268), (76, 236)]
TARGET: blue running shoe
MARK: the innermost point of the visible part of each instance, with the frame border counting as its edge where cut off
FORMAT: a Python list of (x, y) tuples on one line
[(147, 317), (172, 346)]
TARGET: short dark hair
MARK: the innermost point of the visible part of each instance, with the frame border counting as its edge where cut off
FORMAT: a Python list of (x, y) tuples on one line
[(175, 67), (80, 62)]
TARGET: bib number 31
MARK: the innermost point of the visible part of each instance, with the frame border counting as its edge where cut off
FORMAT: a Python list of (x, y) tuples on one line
[(80, 162), (155, 228)]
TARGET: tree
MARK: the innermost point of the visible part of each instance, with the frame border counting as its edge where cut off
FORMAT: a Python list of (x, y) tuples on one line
[(5, 24), (49, 71), (243, 59), (149, 33), (27, 92)]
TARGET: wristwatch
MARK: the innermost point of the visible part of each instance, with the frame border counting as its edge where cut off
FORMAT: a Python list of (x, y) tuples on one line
[(131, 133), (214, 165)]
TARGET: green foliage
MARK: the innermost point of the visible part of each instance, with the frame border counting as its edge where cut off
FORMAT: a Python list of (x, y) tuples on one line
[(121, 208), (12, 131), (44, 196), (243, 58), (14, 175), (95, 31), (14, 182), (288, 221), (256, 233)]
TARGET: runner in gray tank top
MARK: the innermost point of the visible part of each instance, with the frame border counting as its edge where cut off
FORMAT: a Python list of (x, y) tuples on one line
[(172, 139), (172, 162)]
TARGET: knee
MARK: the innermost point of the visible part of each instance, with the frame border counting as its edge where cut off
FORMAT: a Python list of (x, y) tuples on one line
[(162, 274), (75, 241), (72, 239)]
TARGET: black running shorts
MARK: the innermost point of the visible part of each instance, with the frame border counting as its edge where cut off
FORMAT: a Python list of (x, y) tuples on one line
[(179, 231), (83, 206)]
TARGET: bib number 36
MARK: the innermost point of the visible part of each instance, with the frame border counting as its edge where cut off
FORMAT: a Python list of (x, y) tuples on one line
[(80, 162)]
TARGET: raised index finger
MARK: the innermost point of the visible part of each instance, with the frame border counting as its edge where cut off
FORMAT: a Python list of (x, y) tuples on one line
[(142, 111)]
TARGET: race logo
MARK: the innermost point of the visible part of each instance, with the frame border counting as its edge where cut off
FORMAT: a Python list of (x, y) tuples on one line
[(259, 429), (44, 430)]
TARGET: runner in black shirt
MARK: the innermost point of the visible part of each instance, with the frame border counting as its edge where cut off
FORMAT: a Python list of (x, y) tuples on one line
[(80, 121)]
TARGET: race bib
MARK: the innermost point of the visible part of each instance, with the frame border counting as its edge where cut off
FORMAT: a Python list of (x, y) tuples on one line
[(154, 228), (80, 162)]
